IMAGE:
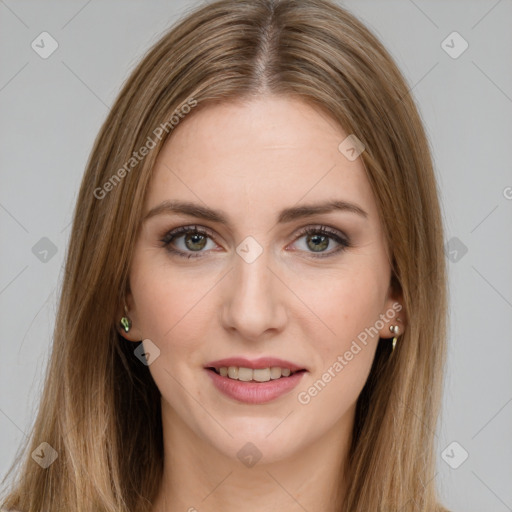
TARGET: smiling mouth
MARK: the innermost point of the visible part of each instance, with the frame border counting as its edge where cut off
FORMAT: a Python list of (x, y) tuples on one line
[(254, 375)]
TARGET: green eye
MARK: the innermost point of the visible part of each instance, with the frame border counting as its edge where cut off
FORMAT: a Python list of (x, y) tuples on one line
[(195, 239), (319, 238)]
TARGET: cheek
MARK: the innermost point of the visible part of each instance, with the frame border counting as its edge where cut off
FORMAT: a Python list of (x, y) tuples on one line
[(169, 303), (347, 303), (344, 301)]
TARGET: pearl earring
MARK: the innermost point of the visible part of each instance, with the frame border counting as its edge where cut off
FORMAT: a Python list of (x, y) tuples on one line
[(395, 329)]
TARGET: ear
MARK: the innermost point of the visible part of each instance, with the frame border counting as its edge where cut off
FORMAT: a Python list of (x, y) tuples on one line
[(394, 313), (134, 334)]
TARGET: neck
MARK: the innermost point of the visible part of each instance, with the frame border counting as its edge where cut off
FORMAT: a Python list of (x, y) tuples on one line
[(198, 477)]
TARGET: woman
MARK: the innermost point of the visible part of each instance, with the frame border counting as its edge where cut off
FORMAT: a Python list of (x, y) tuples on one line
[(253, 310)]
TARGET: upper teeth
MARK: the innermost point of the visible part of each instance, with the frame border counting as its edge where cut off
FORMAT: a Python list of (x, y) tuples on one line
[(259, 374)]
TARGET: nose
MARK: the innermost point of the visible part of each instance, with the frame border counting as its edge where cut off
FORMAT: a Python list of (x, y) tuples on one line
[(254, 300)]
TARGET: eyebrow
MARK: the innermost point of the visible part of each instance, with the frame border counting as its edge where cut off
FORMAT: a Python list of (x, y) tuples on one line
[(286, 215)]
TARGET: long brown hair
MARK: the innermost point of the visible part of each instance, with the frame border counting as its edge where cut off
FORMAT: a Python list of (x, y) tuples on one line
[(100, 408)]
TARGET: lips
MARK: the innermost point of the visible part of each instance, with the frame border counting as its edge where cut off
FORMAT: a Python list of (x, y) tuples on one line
[(248, 381), (262, 362)]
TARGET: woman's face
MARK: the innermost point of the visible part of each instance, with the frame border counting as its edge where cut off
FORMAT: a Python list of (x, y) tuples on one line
[(255, 285)]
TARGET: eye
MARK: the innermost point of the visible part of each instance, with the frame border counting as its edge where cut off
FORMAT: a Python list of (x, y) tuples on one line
[(320, 237), (195, 239)]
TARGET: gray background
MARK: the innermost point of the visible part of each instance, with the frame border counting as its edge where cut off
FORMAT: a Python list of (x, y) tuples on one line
[(52, 110)]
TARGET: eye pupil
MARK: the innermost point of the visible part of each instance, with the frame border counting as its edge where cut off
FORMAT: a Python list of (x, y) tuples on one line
[(319, 244), (196, 238)]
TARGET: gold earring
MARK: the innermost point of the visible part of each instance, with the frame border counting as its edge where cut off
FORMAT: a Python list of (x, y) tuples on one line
[(126, 323), (396, 331)]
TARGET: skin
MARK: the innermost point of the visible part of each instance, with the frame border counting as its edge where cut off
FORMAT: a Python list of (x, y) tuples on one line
[(252, 160)]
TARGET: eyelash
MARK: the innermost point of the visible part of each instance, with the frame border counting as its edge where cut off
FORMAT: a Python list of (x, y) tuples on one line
[(322, 230)]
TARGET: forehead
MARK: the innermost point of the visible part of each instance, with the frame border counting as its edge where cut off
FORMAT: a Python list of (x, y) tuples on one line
[(258, 156)]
